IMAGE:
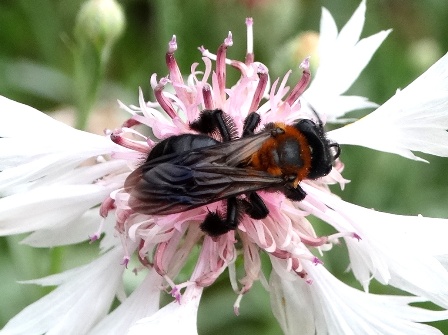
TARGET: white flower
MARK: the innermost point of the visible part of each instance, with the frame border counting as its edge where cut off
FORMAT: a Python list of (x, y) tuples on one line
[(397, 250), (82, 298), (329, 306), (175, 318), (50, 191), (342, 57), (413, 119), (143, 302)]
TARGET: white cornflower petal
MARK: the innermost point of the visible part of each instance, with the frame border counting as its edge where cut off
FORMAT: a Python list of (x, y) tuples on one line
[(174, 318), (83, 297), (342, 57), (295, 315), (72, 232), (143, 302), (37, 123), (338, 309), (46, 207), (33, 146), (415, 118), (396, 250)]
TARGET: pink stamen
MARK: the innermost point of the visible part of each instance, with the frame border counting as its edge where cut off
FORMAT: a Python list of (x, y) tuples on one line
[(175, 74), (221, 64), (172, 45), (95, 237), (302, 84), (125, 261), (259, 91), (143, 260), (354, 235), (158, 258), (336, 236), (166, 105), (204, 52), (129, 123), (313, 241), (236, 305), (117, 137), (175, 293), (317, 261), (250, 41), (122, 216), (282, 254), (107, 205), (99, 231), (207, 96)]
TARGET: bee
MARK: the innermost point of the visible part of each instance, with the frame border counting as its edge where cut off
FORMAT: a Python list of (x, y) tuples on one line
[(186, 171)]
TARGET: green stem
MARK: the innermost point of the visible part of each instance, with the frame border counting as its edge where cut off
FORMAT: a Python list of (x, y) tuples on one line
[(89, 65)]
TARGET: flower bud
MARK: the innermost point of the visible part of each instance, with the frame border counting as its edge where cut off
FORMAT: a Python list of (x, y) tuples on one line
[(100, 22)]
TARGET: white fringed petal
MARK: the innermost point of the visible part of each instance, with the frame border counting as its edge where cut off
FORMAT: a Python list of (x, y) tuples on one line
[(342, 58), (83, 297), (72, 232), (174, 318), (33, 145), (330, 307), (143, 302), (414, 119), (23, 120), (292, 303), (397, 250), (47, 207)]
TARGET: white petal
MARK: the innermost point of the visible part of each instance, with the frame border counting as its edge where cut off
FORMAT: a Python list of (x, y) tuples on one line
[(46, 207), (33, 145), (174, 318), (328, 32), (339, 309), (143, 302), (395, 249), (18, 119), (351, 32), (72, 232), (415, 118), (83, 297), (293, 312), (342, 59)]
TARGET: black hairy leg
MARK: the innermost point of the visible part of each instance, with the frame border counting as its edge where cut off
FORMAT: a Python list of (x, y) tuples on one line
[(215, 225)]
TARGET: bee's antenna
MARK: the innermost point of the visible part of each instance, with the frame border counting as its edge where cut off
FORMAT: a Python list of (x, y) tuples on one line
[(316, 115)]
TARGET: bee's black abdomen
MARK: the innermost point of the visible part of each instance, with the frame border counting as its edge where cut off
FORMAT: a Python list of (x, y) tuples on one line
[(180, 144)]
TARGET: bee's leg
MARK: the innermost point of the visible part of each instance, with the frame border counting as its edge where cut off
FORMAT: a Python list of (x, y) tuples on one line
[(254, 206), (215, 225), (212, 121), (251, 122), (295, 194)]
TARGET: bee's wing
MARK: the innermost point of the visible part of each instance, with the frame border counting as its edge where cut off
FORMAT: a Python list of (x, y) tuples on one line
[(197, 178), (227, 153)]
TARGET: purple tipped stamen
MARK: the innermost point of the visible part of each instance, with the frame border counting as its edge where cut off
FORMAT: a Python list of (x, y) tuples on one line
[(221, 65), (117, 137), (166, 105), (301, 86), (261, 87), (207, 96)]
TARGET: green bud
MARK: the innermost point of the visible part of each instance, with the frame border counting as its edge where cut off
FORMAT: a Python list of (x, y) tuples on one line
[(99, 22)]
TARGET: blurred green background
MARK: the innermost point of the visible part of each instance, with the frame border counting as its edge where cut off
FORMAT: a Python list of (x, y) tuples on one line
[(38, 67)]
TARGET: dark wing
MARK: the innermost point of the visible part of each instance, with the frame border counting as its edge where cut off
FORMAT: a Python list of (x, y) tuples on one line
[(177, 183), (227, 153)]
